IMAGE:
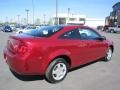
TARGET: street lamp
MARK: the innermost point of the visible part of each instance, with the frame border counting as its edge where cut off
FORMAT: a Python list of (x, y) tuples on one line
[(44, 18), (27, 11), (6, 20), (68, 14), (33, 7), (56, 20), (18, 18)]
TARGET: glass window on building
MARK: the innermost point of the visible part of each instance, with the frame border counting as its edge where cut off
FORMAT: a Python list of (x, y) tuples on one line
[(72, 19), (62, 20), (81, 19)]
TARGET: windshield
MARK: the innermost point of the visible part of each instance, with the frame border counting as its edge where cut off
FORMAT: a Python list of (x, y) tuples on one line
[(44, 31)]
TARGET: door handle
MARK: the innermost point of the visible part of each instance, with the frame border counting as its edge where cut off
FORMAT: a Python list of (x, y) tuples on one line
[(82, 45)]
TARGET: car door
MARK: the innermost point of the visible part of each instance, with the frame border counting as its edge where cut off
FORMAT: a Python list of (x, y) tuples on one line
[(94, 48), (83, 46), (118, 28), (74, 45)]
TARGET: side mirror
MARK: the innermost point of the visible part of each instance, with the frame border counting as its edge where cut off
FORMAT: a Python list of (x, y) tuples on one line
[(101, 38)]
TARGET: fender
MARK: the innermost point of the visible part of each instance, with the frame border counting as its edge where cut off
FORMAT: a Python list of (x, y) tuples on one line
[(52, 56)]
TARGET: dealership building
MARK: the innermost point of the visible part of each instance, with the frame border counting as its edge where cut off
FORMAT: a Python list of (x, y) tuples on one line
[(114, 18), (63, 18), (77, 19)]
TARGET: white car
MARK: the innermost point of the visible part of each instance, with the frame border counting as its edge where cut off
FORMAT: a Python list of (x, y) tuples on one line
[(114, 29), (26, 29)]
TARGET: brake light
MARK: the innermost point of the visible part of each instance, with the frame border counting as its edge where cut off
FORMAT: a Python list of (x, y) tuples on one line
[(22, 49), (17, 46)]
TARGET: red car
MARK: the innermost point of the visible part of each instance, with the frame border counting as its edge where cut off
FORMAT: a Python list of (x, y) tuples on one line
[(53, 50)]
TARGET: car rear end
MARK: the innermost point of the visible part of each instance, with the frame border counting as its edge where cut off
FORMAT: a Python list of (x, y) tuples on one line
[(20, 56), (26, 53), (7, 29)]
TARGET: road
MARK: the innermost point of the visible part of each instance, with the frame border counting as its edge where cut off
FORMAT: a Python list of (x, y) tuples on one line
[(97, 76)]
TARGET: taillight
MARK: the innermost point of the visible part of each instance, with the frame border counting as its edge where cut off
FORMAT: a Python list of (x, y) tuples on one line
[(17, 46), (22, 49)]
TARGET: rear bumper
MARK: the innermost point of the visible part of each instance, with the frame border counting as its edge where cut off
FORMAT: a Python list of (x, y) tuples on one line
[(23, 65)]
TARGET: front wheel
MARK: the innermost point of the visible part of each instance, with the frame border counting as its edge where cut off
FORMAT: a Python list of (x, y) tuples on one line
[(108, 55), (57, 70)]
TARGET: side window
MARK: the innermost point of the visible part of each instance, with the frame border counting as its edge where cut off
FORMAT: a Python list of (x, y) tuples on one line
[(118, 26), (88, 34), (73, 34)]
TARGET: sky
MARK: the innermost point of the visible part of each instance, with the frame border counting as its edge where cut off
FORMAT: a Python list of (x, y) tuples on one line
[(9, 9)]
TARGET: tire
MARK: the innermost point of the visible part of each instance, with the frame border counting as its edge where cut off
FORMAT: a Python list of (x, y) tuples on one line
[(112, 31), (14, 73), (57, 70), (108, 54), (20, 32)]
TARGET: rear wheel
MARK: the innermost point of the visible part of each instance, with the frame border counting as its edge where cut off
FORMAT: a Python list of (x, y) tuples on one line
[(108, 55), (57, 70)]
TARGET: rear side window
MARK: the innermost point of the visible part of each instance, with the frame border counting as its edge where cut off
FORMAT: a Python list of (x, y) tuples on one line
[(46, 31)]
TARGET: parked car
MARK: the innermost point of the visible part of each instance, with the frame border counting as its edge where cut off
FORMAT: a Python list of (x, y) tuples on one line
[(114, 29), (7, 29), (100, 28), (106, 27), (13, 27), (54, 50), (0, 28), (26, 29)]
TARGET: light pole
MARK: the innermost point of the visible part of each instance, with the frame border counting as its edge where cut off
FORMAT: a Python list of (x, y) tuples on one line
[(27, 11), (6, 20), (68, 14), (18, 18), (44, 18), (33, 7), (56, 20)]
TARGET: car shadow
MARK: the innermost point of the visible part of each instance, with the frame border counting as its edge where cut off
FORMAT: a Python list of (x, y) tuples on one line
[(85, 65), (42, 77), (28, 77)]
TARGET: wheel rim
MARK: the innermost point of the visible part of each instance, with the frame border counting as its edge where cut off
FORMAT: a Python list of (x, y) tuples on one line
[(112, 31), (109, 54), (59, 71)]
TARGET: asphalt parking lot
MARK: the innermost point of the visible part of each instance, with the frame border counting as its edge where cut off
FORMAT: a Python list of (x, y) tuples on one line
[(97, 76)]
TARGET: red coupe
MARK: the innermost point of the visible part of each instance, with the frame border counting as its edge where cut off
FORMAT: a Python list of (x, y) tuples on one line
[(53, 50)]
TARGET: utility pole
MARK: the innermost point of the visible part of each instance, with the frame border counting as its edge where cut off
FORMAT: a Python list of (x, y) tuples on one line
[(68, 14), (44, 18), (18, 18), (27, 11), (6, 20), (33, 7), (56, 20)]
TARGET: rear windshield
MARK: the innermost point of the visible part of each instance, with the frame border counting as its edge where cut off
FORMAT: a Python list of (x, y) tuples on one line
[(46, 31)]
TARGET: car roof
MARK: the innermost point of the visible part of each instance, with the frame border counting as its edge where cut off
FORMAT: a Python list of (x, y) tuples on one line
[(67, 28), (80, 26)]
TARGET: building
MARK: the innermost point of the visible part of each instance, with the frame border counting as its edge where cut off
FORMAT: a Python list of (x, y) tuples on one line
[(94, 22), (69, 19), (78, 20), (114, 18)]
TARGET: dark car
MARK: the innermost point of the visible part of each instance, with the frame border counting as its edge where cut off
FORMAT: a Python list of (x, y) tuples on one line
[(53, 50), (0, 28), (100, 28), (106, 27), (7, 29)]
